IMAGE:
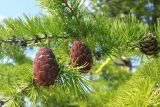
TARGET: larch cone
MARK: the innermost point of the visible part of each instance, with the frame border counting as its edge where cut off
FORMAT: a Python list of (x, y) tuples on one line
[(80, 55), (45, 67)]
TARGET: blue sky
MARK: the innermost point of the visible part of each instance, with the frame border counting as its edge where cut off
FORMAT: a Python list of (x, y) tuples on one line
[(15, 8)]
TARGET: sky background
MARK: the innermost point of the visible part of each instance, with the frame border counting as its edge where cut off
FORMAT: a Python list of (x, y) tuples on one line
[(16, 8)]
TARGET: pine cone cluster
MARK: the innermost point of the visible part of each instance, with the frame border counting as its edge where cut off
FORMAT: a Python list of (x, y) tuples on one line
[(149, 45), (80, 55), (45, 67)]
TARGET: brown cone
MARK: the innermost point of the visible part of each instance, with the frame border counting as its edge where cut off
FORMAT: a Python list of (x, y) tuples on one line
[(81, 56), (45, 67), (149, 45)]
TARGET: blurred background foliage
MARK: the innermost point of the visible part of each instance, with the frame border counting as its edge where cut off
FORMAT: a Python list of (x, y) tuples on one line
[(145, 10)]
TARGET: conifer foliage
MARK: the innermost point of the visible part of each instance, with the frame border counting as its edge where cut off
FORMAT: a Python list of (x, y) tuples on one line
[(66, 71)]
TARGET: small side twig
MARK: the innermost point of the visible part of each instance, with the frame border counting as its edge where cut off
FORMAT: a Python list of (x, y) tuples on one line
[(70, 8), (3, 102)]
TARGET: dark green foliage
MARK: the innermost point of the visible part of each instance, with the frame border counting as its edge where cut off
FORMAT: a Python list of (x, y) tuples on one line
[(147, 10)]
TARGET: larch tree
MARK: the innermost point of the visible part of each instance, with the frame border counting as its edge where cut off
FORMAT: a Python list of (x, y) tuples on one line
[(83, 59)]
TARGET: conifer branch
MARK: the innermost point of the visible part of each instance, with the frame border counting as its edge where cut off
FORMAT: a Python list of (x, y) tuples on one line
[(36, 39), (3, 102), (70, 8), (81, 28)]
